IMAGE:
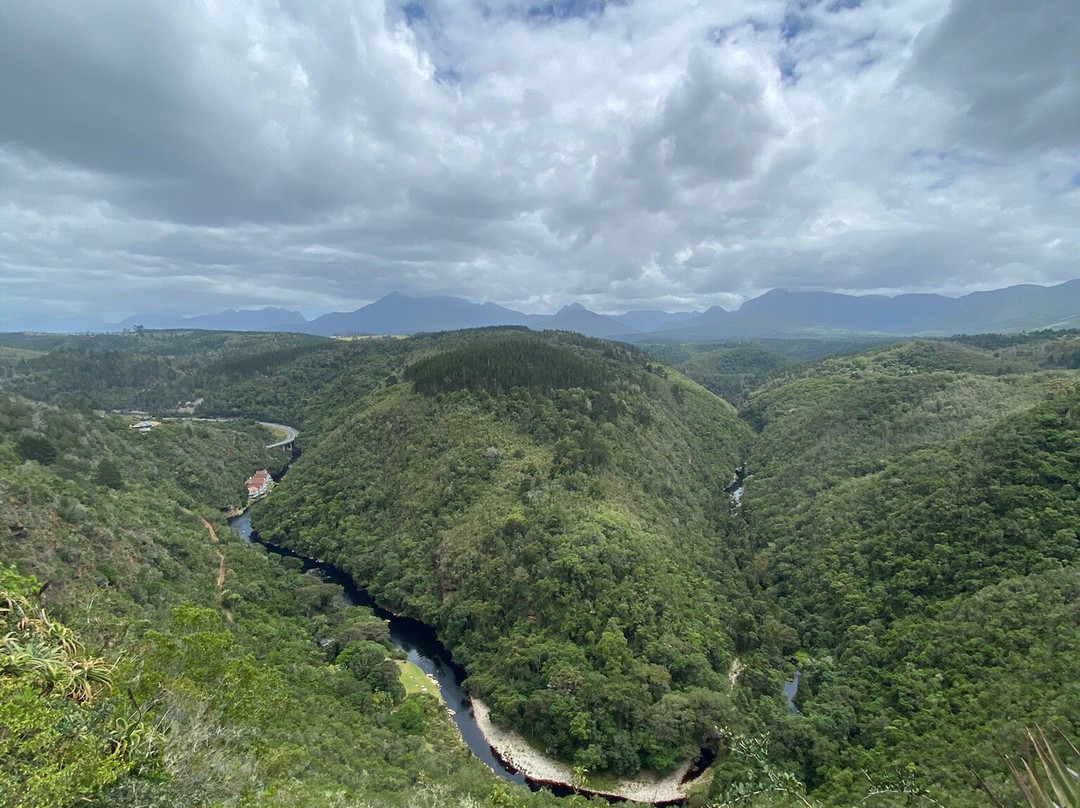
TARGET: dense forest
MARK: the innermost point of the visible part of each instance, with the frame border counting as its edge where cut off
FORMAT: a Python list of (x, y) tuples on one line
[(563, 525), (149, 657), (557, 508)]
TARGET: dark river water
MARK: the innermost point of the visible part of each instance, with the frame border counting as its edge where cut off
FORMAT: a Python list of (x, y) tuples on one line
[(421, 647)]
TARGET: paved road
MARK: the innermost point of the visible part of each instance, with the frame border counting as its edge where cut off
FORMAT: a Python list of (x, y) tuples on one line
[(290, 434)]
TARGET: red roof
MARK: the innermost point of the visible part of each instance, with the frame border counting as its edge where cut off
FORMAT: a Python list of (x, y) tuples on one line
[(258, 479)]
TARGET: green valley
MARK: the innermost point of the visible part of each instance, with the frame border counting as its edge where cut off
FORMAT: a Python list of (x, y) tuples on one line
[(554, 506)]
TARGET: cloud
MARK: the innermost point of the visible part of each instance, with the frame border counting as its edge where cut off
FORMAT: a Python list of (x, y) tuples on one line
[(1011, 67), (321, 154)]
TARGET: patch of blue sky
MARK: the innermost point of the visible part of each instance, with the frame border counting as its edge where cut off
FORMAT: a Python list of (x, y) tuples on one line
[(564, 10), (560, 10), (423, 17), (943, 167), (833, 7), (547, 12), (719, 34), (414, 12), (788, 64), (869, 56), (445, 74), (793, 25), (1060, 182)]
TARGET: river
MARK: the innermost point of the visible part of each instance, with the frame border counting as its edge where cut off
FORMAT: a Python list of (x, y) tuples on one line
[(421, 647)]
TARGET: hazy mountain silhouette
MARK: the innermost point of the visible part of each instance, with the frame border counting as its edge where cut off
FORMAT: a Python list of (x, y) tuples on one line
[(653, 319), (783, 313), (778, 313), (398, 314), (576, 317)]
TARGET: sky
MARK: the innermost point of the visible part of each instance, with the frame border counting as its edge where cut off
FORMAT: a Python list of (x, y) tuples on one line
[(193, 156)]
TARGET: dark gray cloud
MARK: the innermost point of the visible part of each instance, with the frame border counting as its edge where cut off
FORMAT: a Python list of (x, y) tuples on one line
[(320, 154), (1011, 67)]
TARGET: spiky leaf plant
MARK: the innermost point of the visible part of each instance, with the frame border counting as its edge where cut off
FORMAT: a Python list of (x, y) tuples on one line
[(1050, 777)]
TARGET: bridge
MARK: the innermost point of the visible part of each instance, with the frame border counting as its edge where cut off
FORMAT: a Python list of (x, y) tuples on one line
[(290, 435)]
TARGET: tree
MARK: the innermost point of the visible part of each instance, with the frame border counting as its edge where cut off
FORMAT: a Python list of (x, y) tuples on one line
[(410, 717), (108, 474), (35, 447)]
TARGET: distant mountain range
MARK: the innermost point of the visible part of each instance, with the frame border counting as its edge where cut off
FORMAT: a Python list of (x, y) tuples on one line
[(778, 313)]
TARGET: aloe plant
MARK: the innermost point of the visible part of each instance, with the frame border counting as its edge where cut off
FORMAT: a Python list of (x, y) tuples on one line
[(47, 651), (1050, 778)]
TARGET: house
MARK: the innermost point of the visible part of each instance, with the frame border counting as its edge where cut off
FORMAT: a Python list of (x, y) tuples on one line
[(145, 426), (259, 483)]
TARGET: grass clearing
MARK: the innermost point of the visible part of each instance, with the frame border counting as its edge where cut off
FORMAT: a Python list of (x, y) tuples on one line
[(415, 680), (7, 353)]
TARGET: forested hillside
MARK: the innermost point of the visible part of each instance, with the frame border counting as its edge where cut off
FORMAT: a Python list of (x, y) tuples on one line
[(555, 506), (155, 659), (283, 378), (917, 512)]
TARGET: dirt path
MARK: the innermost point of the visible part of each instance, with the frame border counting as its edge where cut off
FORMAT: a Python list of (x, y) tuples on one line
[(222, 568), (737, 667)]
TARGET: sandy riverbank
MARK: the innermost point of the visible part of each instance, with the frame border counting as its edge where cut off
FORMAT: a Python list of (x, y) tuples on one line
[(515, 750)]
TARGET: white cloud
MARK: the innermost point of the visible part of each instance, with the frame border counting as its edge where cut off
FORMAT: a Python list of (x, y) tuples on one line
[(638, 154)]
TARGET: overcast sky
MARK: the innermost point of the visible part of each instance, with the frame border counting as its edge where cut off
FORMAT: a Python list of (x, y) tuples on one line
[(317, 154)]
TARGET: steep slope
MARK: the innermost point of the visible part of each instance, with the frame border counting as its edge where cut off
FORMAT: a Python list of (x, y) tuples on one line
[(554, 506), (185, 686), (731, 371), (845, 417), (917, 517)]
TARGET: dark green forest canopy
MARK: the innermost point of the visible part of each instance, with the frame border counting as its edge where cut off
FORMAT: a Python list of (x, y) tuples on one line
[(284, 378), (499, 366), (893, 495)]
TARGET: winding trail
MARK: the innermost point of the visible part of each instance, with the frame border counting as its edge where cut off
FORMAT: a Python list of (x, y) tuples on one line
[(222, 568)]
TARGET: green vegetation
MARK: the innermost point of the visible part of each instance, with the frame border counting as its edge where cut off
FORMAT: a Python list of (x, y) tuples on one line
[(730, 371), (61, 737), (143, 681), (554, 506), (916, 513), (733, 369), (282, 378), (1048, 781), (562, 524)]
